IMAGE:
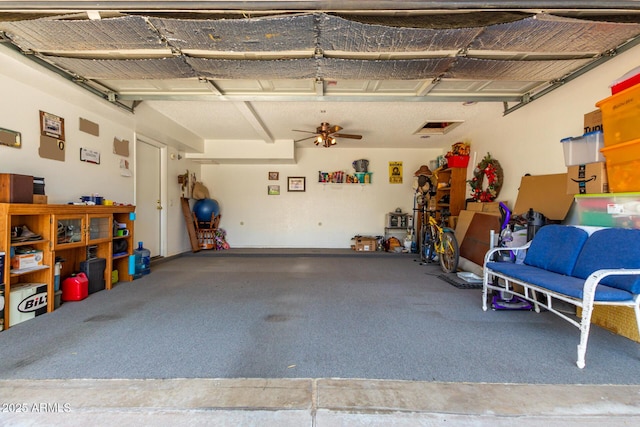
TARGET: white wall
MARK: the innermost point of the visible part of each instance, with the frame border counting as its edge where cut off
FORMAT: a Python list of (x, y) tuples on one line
[(325, 215), (528, 140), (26, 90), (23, 98)]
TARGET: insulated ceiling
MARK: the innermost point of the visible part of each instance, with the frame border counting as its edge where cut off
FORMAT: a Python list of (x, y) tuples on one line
[(506, 57), (256, 75)]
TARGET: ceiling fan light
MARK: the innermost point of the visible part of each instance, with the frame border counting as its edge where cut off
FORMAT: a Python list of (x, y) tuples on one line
[(332, 140)]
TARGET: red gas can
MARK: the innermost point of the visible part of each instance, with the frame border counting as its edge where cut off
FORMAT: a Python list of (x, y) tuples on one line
[(75, 288)]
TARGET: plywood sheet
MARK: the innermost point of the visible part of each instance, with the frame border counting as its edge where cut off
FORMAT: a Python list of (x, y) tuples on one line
[(477, 239)]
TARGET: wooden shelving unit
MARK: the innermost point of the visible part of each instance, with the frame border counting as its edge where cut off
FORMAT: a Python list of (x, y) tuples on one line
[(450, 191), (66, 231)]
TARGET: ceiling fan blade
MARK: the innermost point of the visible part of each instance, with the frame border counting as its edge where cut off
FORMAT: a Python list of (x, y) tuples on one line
[(304, 139), (334, 129), (297, 130), (346, 135)]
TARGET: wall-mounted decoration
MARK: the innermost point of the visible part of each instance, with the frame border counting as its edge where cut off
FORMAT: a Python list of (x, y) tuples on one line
[(395, 172), (296, 183), (52, 141), (274, 176), (51, 148), (90, 156), (124, 168), (121, 147), (51, 125), (10, 138), (89, 127), (273, 190)]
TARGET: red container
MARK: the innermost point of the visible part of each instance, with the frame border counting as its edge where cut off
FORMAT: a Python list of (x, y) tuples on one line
[(75, 288), (457, 161), (625, 84)]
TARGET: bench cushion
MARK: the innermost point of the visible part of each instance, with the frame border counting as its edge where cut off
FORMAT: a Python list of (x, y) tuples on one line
[(566, 285), (556, 248), (611, 248)]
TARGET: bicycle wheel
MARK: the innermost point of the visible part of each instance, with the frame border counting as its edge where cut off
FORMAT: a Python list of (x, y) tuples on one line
[(427, 249), (451, 253)]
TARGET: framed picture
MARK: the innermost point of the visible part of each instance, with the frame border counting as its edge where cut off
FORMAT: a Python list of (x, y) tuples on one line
[(51, 125), (90, 156), (274, 176), (296, 183), (273, 190)]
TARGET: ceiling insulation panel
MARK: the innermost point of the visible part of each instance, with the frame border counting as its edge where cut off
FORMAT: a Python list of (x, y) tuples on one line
[(230, 69), (44, 35), (338, 34), (549, 34), (139, 69), (281, 33), (331, 68), (487, 69)]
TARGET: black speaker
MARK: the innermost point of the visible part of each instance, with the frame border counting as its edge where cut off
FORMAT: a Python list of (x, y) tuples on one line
[(94, 269)]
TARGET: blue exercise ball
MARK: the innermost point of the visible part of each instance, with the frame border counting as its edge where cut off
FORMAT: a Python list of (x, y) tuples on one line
[(206, 209)]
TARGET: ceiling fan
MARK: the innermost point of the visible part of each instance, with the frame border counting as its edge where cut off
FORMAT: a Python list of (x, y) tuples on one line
[(326, 134)]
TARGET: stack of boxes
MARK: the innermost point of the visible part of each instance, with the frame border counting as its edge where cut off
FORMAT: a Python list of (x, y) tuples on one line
[(621, 138), (620, 117), (586, 170)]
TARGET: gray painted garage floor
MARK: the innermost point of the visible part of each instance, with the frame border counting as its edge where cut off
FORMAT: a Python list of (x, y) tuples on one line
[(307, 338)]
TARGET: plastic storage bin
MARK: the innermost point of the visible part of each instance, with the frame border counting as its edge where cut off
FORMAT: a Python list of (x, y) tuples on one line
[(583, 149), (623, 166), (620, 116), (609, 210)]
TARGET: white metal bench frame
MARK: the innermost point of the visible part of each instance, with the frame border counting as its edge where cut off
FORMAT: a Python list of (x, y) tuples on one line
[(531, 290)]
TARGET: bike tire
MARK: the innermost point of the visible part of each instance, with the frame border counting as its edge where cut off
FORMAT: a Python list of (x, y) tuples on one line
[(451, 256), (427, 250)]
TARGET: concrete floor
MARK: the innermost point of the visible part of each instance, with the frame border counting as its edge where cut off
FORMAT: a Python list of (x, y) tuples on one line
[(312, 402)]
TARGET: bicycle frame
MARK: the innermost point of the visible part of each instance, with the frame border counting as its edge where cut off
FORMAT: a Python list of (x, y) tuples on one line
[(439, 240)]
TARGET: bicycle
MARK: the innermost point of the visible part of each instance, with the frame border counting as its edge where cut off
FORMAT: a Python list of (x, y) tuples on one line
[(438, 241)]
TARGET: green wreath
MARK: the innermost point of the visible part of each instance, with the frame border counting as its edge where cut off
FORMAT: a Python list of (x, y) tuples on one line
[(490, 168)]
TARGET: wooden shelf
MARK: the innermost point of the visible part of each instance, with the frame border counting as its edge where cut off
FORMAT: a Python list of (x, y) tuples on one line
[(91, 228)]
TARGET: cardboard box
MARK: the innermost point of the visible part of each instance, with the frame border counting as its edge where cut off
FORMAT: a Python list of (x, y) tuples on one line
[(546, 194), (366, 244), (486, 207), (28, 300), (593, 121), (20, 261), (16, 188), (587, 179), (39, 199)]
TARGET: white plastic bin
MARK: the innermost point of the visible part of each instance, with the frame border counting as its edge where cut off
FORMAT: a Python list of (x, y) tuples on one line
[(583, 149)]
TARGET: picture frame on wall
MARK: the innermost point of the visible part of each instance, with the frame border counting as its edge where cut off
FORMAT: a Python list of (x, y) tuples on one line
[(296, 183), (273, 190), (274, 176)]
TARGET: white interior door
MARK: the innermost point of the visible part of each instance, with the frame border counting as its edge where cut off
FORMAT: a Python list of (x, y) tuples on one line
[(148, 197)]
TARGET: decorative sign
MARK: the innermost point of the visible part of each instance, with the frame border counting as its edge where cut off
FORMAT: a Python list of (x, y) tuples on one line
[(10, 138), (90, 156), (395, 172), (51, 125)]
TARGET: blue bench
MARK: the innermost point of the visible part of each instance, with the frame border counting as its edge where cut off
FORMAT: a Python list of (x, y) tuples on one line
[(567, 263)]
